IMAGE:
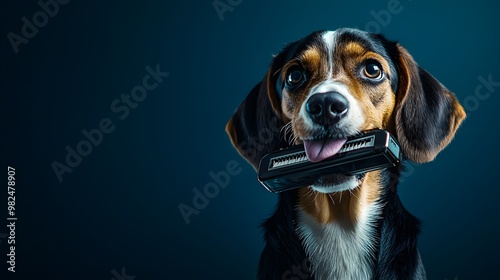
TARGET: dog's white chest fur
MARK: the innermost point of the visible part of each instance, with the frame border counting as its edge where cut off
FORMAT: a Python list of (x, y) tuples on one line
[(336, 253)]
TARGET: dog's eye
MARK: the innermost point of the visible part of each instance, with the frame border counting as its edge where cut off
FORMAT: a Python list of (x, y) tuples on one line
[(372, 70), (294, 78)]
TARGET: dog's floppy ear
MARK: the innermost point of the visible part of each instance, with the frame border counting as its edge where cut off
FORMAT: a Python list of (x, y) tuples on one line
[(427, 114), (255, 127)]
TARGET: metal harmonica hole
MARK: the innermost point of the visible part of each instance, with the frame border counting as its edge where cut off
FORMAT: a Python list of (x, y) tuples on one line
[(358, 144), (301, 157), (287, 160)]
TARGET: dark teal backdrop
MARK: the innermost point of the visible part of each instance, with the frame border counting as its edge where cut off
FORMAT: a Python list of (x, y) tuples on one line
[(117, 213)]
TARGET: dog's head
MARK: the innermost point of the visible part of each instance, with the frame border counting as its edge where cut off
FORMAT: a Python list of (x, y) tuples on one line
[(334, 84)]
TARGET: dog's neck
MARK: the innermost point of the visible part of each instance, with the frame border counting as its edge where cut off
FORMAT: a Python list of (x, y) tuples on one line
[(345, 207), (338, 230)]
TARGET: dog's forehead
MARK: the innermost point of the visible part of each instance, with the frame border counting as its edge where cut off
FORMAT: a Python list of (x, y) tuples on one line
[(366, 40), (340, 40), (332, 47)]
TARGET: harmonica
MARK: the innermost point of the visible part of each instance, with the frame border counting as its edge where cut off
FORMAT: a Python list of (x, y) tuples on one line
[(289, 167)]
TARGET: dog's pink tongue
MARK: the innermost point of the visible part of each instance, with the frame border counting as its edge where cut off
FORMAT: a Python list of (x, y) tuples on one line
[(322, 149)]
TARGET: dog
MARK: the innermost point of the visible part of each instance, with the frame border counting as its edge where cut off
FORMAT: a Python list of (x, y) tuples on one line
[(318, 91)]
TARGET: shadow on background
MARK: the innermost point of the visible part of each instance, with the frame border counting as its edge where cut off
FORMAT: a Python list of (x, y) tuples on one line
[(129, 150)]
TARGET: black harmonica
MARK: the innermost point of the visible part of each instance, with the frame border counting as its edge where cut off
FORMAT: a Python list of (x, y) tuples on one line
[(289, 168)]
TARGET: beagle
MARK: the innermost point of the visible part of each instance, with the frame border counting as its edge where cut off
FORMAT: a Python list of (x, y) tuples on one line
[(322, 89)]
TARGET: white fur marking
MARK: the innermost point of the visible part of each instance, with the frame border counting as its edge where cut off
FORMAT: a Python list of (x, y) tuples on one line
[(329, 37), (337, 253), (334, 251), (350, 184)]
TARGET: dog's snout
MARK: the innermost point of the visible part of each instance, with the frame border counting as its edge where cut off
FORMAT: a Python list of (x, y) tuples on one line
[(327, 107)]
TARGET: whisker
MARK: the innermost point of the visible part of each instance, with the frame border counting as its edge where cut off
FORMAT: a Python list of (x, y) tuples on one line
[(277, 71), (285, 127), (310, 192), (331, 198), (351, 193), (287, 130), (290, 139)]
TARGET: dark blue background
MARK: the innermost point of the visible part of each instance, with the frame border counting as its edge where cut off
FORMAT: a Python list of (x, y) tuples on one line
[(119, 207)]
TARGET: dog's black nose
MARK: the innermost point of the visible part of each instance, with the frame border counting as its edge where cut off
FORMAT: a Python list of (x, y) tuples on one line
[(327, 107)]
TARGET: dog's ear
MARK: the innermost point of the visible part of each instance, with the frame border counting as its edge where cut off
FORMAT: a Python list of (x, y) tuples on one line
[(255, 127), (427, 114)]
